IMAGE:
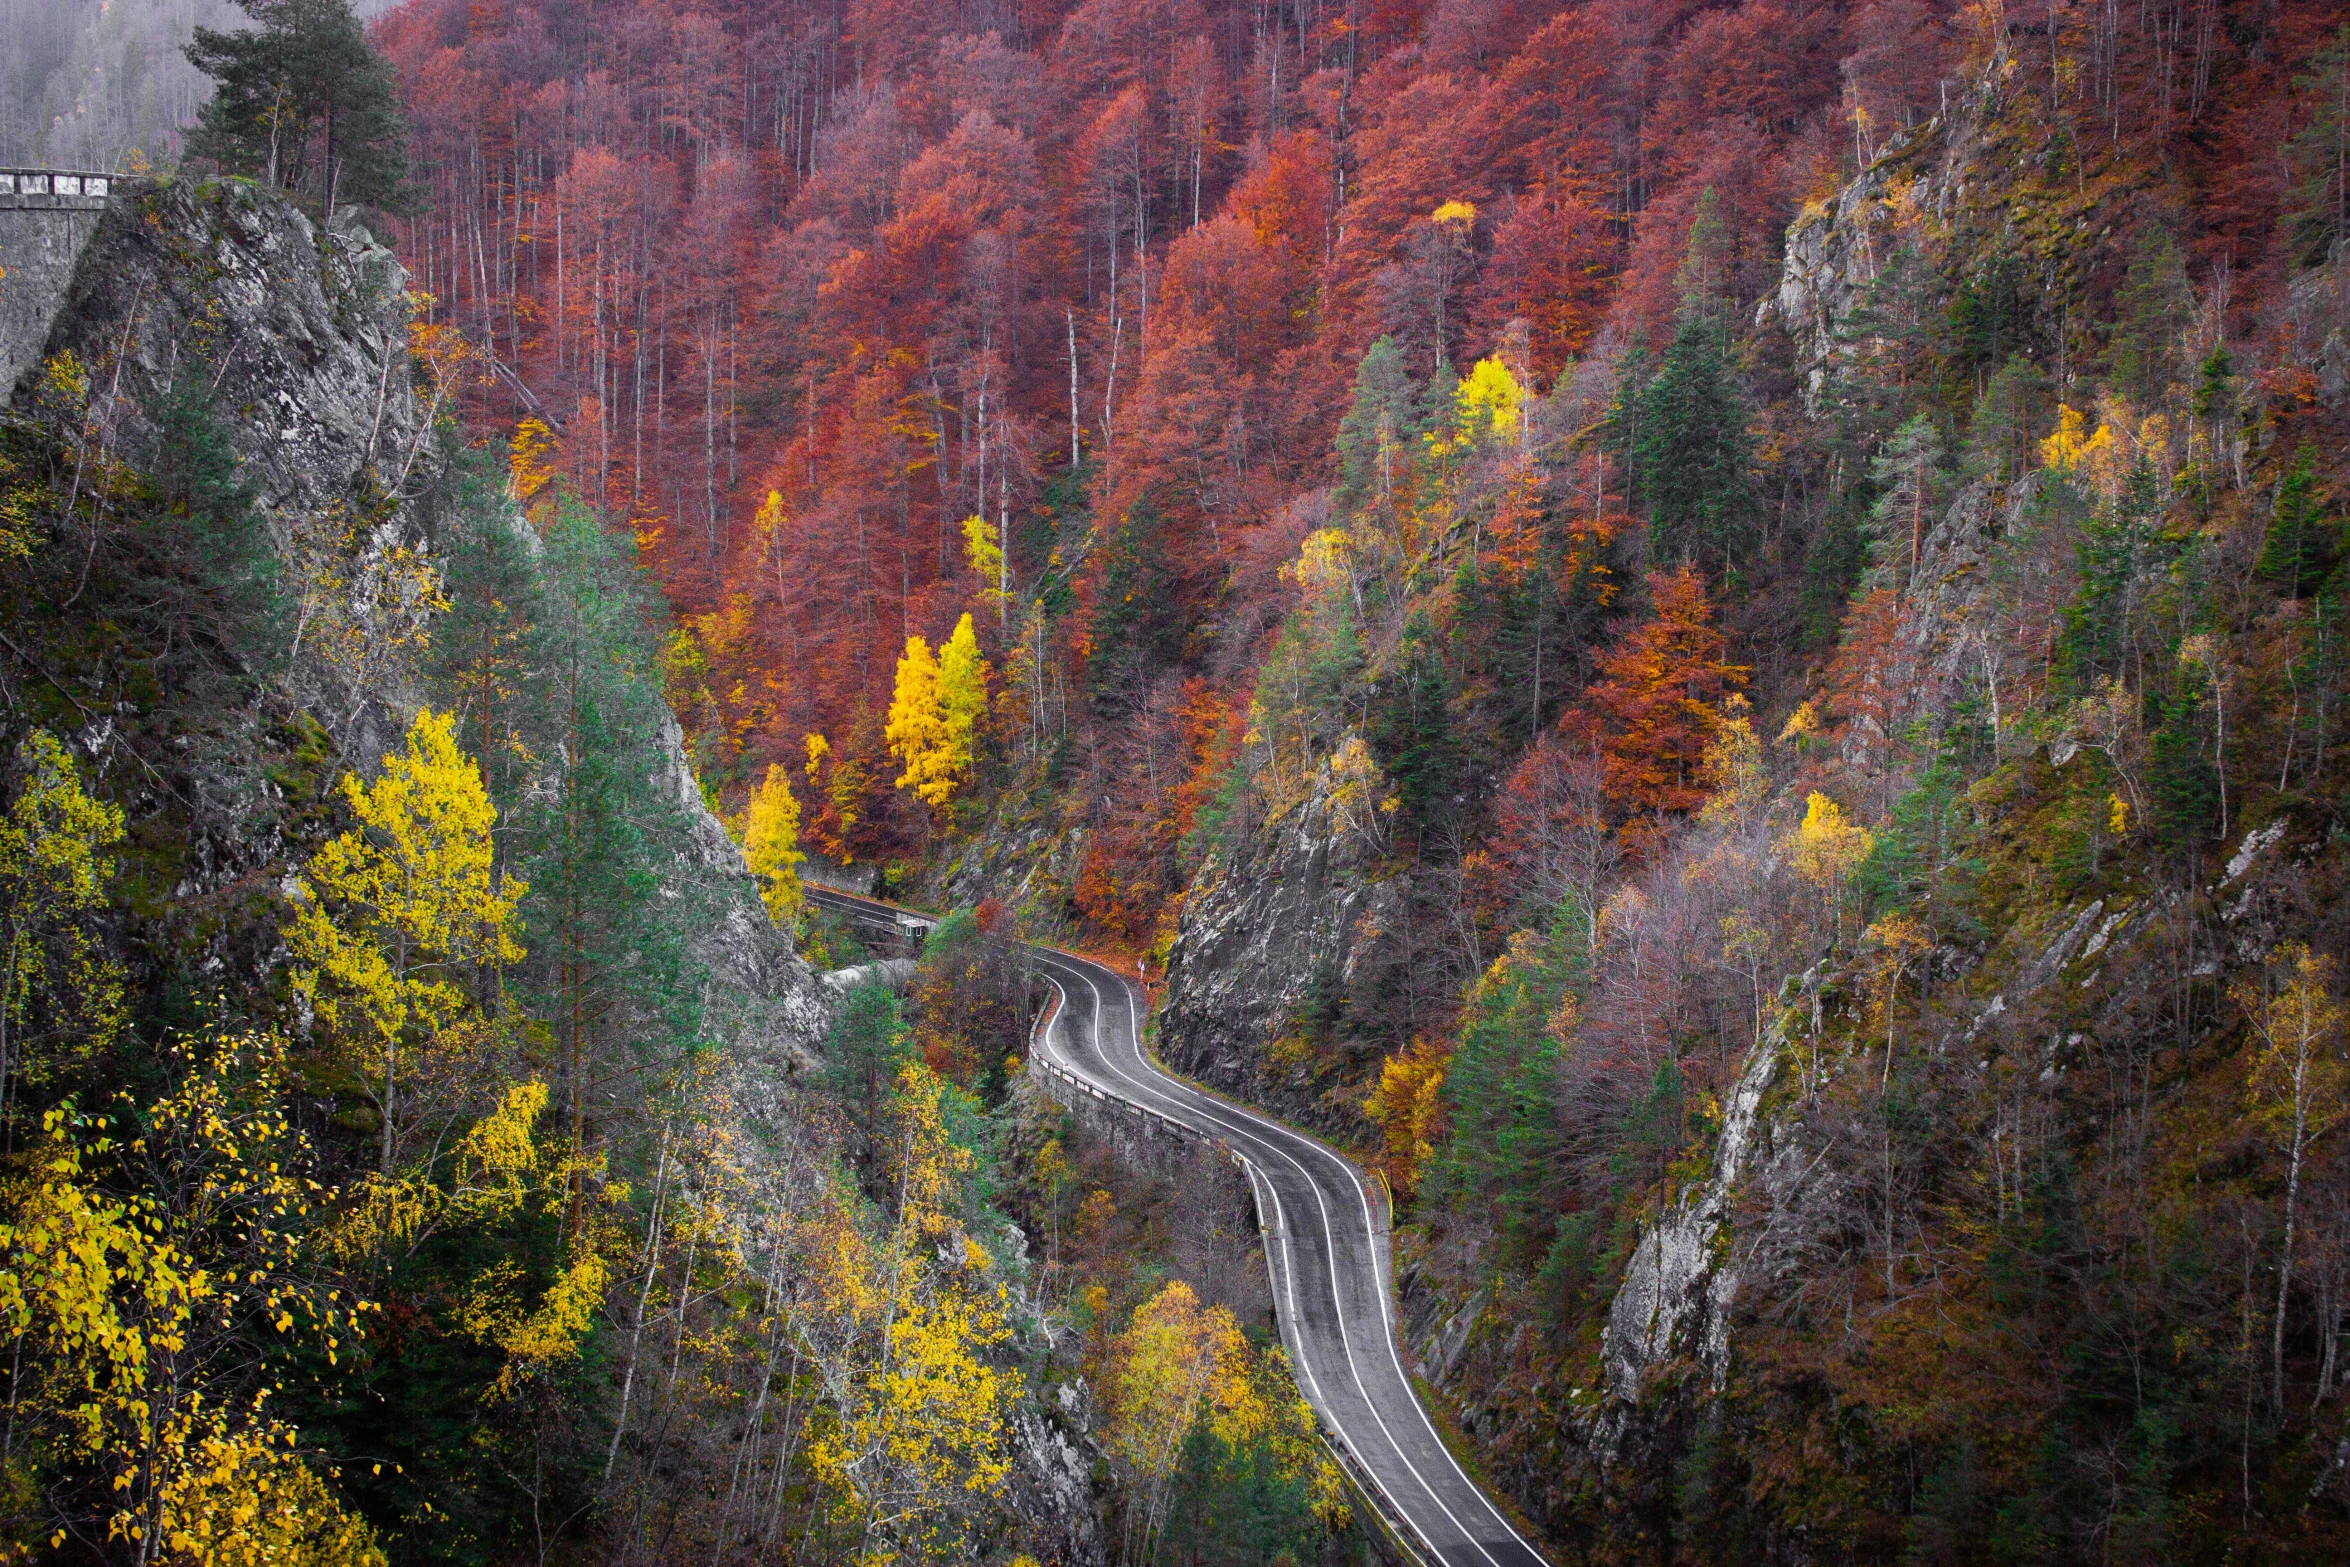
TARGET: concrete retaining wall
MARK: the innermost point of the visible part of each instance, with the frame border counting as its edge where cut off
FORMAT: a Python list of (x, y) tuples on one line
[(47, 217)]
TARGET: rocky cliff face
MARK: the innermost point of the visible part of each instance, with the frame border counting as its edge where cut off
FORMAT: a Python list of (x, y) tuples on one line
[(1273, 931), (300, 331), (300, 334), (1984, 193)]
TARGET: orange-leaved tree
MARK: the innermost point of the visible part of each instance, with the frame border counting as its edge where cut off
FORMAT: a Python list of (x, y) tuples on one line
[(1658, 704)]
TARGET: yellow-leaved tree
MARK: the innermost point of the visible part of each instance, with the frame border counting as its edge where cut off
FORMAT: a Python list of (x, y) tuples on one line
[(59, 989), (1175, 1356), (1826, 848), (771, 842), (530, 459), (1179, 1364), (915, 1415), (499, 1173), (962, 693), (1406, 1108), (402, 922), (2298, 1086), (1490, 405), (138, 1251), (917, 728), (935, 711), (986, 556)]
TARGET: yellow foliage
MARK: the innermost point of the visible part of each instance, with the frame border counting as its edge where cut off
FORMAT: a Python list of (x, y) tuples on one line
[(97, 1289), (1734, 768), (1801, 724), (2296, 1071), (1490, 404), (934, 713), (1405, 1107), (923, 1423), (54, 867), (987, 562), (2070, 444), (117, 1306), (498, 1158), (1455, 212), (397, 914), (962, 691), (530, 459), (771, 841), (922, 1160), (1172, 1357), (535, 1339), (1177, 1363), (917, 728), (768, 519), (1324, 564), (2117, 817), (1358, 789), (244, 1498), (917, 1415), (1827, 846)]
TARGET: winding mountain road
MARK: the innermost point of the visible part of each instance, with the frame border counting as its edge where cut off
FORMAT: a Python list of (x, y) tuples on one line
[(1326, 1245)]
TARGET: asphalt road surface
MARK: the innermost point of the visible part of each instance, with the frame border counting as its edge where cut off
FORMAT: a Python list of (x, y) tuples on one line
[(1326, 1245)]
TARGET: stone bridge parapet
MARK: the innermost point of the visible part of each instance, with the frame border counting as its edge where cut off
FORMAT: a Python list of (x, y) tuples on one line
[(55, 190)]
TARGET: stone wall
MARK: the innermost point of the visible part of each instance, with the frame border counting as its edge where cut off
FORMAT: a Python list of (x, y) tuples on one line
[(46, 220)]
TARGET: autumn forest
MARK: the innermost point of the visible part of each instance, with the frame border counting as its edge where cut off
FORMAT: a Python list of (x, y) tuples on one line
[(1708, 634)]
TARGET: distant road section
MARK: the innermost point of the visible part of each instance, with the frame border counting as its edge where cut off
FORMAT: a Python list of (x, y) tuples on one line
[(1325, 1242)]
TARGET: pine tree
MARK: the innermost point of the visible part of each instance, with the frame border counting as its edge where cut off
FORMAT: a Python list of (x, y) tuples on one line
[(2153, 309), (305, 103), (1999, 432), (1377, 435), (611, 967), (480, 647), (2300, 546), (1909, 469), (2319, 156), (1410, 728)]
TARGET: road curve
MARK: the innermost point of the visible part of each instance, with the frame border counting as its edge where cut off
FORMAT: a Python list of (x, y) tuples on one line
[(1325, 1245)]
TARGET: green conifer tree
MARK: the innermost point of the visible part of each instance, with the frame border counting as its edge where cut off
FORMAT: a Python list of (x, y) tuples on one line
[(2300, 546), (1689, 449), (305, 103)]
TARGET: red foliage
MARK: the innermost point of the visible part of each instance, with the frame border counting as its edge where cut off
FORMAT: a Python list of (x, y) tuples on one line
[(857, 257)]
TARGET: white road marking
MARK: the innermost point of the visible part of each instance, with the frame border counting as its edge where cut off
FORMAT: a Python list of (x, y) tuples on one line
[(1213, 1110)]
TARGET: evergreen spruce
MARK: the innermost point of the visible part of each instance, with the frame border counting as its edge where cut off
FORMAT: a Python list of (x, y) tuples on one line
[(1689, 449), (2300, 546)]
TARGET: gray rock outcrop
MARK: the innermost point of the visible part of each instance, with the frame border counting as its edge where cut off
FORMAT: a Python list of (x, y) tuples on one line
[(1271, 927)]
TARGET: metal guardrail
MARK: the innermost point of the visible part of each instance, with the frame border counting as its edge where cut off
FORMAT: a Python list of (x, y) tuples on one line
[(1054, 1069), (1399, 1542), (1394, 1535), (1401, 1547)]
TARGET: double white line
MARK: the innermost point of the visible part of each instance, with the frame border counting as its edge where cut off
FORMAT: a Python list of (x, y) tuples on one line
[(1221, 1115), (1274, 1141)]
